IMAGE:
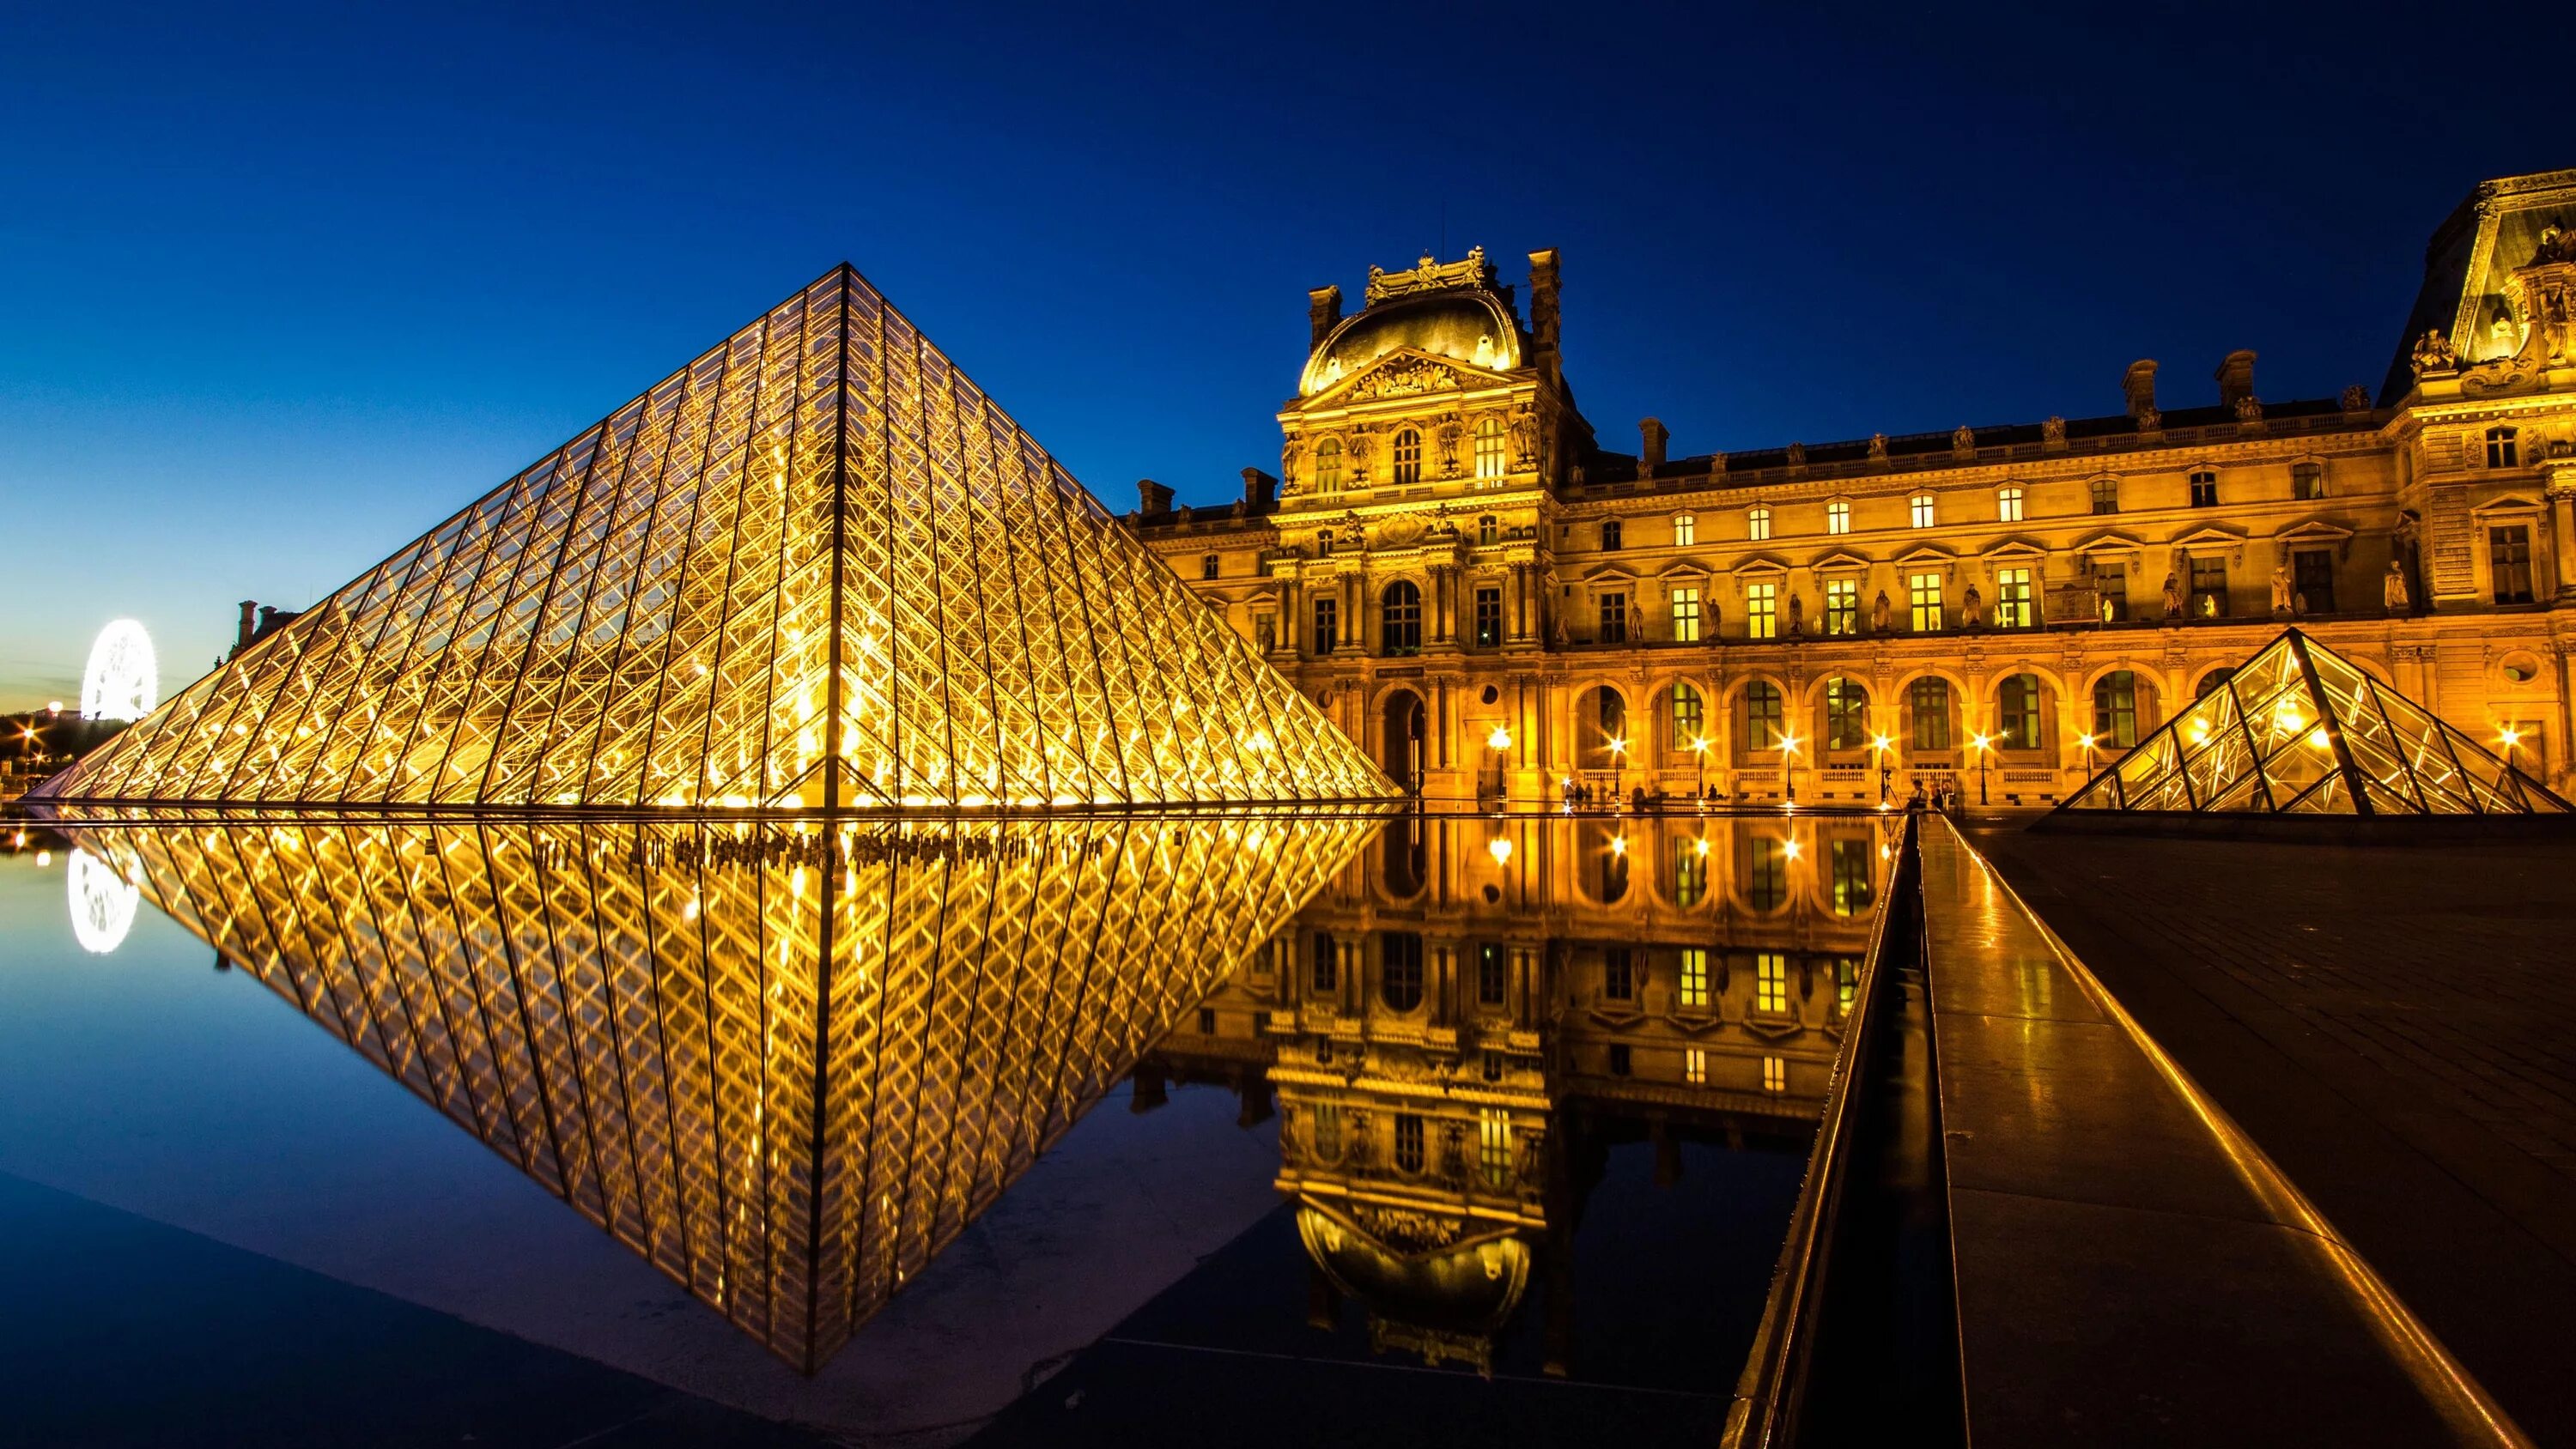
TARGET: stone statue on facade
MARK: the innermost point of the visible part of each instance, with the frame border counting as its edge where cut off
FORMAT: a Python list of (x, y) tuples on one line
[(2173, 597), (1964, 442), (1797, 455), (2434, 353), (2053, 430), (2392, 588), (1524, 440), (1880, 613), (2556, 245), (1797, 616), (2150, 420), (1288, 470), (2356, 399), (1878, 447), (1972, 608), (2249, 410), (2283, 602)]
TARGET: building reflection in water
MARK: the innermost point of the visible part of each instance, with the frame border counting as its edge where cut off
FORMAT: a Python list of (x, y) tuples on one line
[(1473, 1011), (786, 1064)]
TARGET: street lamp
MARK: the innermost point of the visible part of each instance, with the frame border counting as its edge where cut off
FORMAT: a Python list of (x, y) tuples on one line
[(1699, 749), (2088, 754), (1618, 758), (1881, 744), (2509, 737), (1500, 742), (1981, 743), (1788, 747)]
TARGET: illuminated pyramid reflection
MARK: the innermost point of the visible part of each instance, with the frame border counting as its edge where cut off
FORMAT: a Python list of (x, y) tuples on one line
[(816, 567), (785, 1064), (2300, 730)]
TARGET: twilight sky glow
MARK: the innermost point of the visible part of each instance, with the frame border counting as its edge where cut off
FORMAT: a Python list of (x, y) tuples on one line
[(281, 287)]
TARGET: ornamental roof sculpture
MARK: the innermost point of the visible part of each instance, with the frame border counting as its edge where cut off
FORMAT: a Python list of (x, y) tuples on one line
[(815, 568), (786, 1066), (2300, 730)]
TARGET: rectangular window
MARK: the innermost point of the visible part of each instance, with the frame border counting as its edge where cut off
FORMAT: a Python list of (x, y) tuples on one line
[(1838, 517), (1619, 1059), (1207, 1021), (1327, 966), (1928, 700), (2008, 505), (1610, 536), (1686, 616), (1925, 592), (1489, 618), (1327, 1119), (2312, 575), (1846, 984), (2115, 711), (1855, 888), (1923, 514), (1690, 875), (1493, 973), (2111, 592), (2307, 481), (1489, 448), (1846, 714), (2204, 490), (1775, 1074), (1614, 619), (2012, 599), (1695, 1066), (1766, 876), (1494, 1145), (1694, 977), (2106, 495), (1328, 625), (2500, 448), (1618, 982), (2209, 587), (2509, 558), (1762, 715), (1685, 530), (1408, 1142), (1757, 524), (1208, 565), (1842, 606), (1770, 981), (1686, 716), (1761, 611)]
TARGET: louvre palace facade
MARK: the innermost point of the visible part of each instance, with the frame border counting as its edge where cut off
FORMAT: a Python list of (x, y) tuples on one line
[(1490, 599)]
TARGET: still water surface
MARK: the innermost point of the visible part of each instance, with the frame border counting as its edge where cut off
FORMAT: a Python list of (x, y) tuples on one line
[(1037, 1133)]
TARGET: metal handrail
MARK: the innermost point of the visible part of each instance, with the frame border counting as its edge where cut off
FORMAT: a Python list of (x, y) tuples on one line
[(1769, 1392)]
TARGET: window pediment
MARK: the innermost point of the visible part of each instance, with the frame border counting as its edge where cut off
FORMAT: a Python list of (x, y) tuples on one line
[(1840, 561), (2012, 550), (2210, 535), (1760, 563), (1608, 574), (1926, 555), (2509, 503), (2110, 540), (2313, 530)]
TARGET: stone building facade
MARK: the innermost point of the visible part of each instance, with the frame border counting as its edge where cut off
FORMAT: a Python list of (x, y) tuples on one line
[(1489, 600)]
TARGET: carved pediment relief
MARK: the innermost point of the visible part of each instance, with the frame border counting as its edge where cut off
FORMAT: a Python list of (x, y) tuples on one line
[(1609, 574), (2110, 540), (1406, 372), (1925, 555), (1760, 563), (2313, 530), (2012, 550), (1840, 561)]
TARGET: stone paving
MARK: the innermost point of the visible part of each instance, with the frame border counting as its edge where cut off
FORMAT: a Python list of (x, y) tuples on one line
[(2395, 1025)]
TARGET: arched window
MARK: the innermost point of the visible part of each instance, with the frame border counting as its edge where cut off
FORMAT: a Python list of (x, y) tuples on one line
[(1399, 981), (1407, 458), (2115, 710), (2209, 682), (1762, 715), (1685, 530), (1489, 448), (1689, 721), (2500, 448), (2106, 495), (1400, 618), (1928, 700), (1328, 465), (1846, 714), (1488, 530), (2017, 705), (1757, 523), (2008, 503)]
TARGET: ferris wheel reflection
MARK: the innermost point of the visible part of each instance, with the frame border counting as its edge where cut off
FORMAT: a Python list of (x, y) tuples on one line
[(102, 902)]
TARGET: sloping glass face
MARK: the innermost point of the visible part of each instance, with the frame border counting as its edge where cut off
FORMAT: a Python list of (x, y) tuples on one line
[(2301, 730), (817, 567), (785, 1062)]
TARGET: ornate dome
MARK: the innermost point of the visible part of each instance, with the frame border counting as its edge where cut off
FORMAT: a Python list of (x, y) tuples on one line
[(1470, 325), (1456, 1282)]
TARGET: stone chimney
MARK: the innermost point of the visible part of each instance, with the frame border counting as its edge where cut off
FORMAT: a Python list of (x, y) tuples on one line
[(2235, 377), (1323, 313), (1653, 436), (1259, 489), (2139, 387), (1153, 497), (242, 633), (1543, 284)]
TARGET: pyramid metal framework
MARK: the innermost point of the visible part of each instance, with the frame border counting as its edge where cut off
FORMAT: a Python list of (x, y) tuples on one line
[(2300, 730), (787, 1066), (815, 568)]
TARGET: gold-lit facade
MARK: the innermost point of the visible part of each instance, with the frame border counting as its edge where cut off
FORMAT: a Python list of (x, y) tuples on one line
[(816, 568), (1488, 600), (1472, 1009), (785, 1063)]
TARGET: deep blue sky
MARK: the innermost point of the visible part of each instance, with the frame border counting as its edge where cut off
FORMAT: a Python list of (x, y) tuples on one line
[(279, 288)]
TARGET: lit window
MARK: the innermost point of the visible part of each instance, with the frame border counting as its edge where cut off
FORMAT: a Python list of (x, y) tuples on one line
[(1923, 512), (1685, 530), (2115, 710), (1489, 448), (1407, 458), (1690, 877), (1842, 606), (1327, 1130), (1687, 715), (1846, 714), (2500, 448), (1694, 976), (1695, 1066), (1766, 876), (1757, 523), (1928, 699), (1610, 536), (2106, 495), (1762, 715), (1924, 590), (1408, 1142), (1855, 889), (1686, 615), (2008, 504), (1846, 984), (2012, 598), (2307, 481), (2018, 713), (1208, 564), (2204, 490), (1494, 1145), (1328, 465), (1837, 517), (1770, 981), (1775, 1074), (1761, 611)]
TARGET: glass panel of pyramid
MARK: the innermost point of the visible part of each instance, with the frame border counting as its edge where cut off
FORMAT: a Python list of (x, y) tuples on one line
[(785, 1065), (2299, 729), (816, 567)]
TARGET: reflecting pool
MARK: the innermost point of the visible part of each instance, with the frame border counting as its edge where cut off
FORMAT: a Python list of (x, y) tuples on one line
[(1507, 1101)]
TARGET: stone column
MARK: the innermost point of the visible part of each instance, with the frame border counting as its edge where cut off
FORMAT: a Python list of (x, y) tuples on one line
[(2562, 527)]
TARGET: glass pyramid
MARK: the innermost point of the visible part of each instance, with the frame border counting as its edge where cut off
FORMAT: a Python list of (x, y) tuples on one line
[(785, 1065), (2298, 730), (815, 568)]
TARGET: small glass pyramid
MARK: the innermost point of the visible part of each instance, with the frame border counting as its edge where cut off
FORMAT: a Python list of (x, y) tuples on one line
[(2298, 730), (816, 568)]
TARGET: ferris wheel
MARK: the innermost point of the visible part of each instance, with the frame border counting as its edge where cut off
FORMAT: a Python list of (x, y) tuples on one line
[(102, 903), (122, 681)]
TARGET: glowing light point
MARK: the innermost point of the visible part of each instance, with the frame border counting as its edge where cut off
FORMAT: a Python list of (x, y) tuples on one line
[(1500, 739), (1501, 849), (122, 681)]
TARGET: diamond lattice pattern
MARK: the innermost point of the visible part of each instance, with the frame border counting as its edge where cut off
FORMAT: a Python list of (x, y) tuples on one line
[(2300, 730), (815, 567)]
